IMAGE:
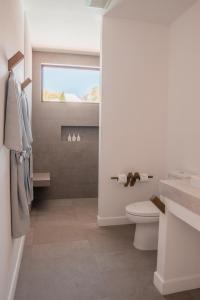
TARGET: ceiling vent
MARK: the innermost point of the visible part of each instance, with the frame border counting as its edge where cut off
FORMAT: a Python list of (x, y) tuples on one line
[(98, 3)]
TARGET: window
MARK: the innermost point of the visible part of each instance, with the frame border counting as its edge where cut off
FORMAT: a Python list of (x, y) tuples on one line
[(70, 84)]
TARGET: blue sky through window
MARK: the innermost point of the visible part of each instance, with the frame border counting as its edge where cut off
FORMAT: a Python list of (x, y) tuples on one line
[(79, 84)]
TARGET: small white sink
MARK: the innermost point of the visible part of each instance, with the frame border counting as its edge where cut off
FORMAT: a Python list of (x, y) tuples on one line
[(182, 191), (178, 264)]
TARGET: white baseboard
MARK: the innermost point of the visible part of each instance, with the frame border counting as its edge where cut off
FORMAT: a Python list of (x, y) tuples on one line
[(110, 221), (175, 285), (15, 265)]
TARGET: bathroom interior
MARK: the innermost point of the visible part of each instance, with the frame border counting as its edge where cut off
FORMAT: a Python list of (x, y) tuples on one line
[(99, 149)]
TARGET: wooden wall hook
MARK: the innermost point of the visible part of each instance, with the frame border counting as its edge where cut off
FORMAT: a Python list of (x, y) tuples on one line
[(26, 83), (14, 60)]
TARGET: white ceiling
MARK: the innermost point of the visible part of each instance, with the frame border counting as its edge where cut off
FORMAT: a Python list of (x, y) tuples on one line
[(154, 11), (71, 25), (64, 24)]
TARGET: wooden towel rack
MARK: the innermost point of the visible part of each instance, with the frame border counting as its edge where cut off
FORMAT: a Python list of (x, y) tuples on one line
[(25, 83), (14, 60), (158, 203)]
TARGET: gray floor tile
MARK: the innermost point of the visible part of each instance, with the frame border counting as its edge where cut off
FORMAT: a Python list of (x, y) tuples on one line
[(50, 233), (72, 249), (179, 296), (52, 218), (29, 237), (68, 277), (125, 283), (127, 259), (195, 294), (68, 257), (111, 239)]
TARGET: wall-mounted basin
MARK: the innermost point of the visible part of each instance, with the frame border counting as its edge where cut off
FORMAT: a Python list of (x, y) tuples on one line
[(178, 264), (183, 192)]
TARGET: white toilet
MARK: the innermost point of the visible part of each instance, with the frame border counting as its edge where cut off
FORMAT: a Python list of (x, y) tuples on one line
[(146, 216)]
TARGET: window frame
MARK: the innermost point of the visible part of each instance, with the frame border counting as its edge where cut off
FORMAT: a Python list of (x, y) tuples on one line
[(50, 65)]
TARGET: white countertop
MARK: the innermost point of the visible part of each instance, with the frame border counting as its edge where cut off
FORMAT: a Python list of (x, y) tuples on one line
[(182, 192)]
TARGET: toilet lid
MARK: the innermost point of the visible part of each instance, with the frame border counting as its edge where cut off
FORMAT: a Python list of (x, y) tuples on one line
[(144, 208)]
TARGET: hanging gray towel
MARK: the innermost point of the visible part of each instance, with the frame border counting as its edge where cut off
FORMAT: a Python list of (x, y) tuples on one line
[(27, 145), (17, 139), (20, 219), (13, 118)]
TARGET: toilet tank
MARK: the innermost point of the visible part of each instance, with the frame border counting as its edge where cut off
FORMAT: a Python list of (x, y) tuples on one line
[(179, 175)]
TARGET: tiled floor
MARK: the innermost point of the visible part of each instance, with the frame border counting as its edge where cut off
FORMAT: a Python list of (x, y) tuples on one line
[(68, 257)]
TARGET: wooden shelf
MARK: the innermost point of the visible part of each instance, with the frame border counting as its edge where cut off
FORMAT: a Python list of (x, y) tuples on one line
[(41, 179)]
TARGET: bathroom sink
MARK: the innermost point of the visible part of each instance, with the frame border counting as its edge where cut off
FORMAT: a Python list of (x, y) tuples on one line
[(178, 264), (183, 191)]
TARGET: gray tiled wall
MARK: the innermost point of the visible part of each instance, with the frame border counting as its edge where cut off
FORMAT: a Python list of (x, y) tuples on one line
[(73, 166)]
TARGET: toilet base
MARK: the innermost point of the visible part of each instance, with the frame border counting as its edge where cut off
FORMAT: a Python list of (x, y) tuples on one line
[(146, 236)]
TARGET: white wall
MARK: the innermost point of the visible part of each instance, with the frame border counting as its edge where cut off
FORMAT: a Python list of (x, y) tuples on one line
[(184, 93), (133, 112), (12, 40)]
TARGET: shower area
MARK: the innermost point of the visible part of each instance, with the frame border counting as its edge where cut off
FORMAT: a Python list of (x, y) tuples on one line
[(66, 133)]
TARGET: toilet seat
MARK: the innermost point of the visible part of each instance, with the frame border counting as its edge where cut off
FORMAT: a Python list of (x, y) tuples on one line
[(145, 216), (142, 209)]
